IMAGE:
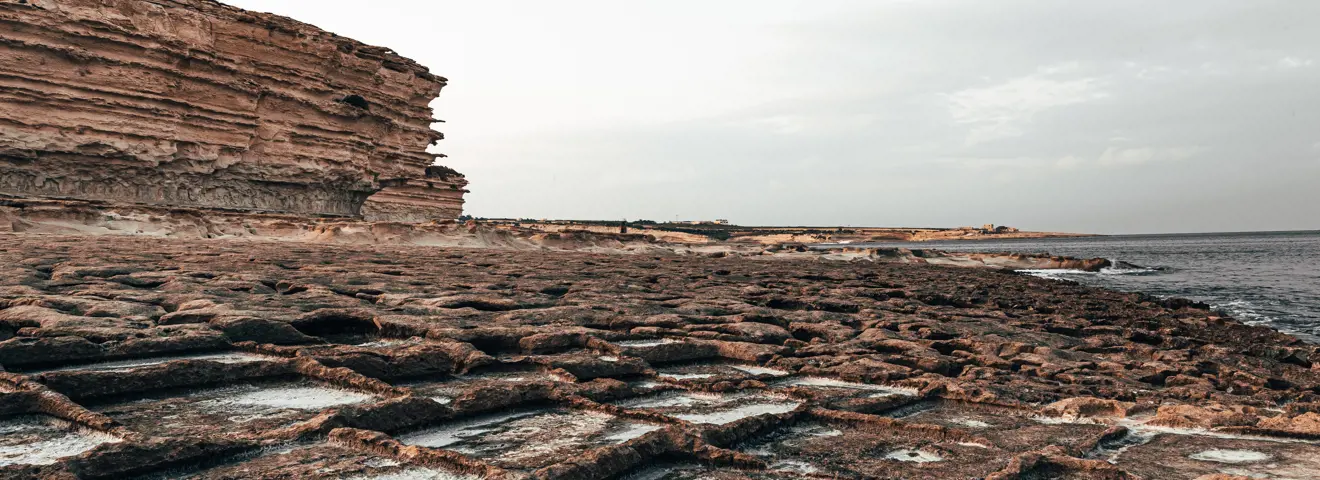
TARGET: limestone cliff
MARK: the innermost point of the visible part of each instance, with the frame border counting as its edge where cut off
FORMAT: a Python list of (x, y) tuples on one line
[(195, 103), (438, 195)]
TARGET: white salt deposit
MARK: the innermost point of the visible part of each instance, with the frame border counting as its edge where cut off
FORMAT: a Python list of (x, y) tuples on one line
[(1230, 456), (652, 472), (917, 456), (813, 430), (125, 365), (381, 463), (540, 435), (723, 417), (1111, 451), (301, 398), (531, 434), (416, 473), (671, 400), (1059, 420), (685, 376), (55, 439), (1141, 428), (754, 370), (821, 382), (446, 435), (634, 430), (970, 423), (609, 359), (386, 343), (796, 466), (645, 343)]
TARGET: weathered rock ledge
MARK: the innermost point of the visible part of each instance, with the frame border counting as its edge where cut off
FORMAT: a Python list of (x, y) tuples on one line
[(195, 103), (215, 359)]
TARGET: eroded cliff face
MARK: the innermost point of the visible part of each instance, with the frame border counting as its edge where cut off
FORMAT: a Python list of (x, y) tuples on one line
[(437, 196), (195, 103)]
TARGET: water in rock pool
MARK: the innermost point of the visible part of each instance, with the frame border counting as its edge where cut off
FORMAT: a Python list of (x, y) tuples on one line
[(1263, 278)]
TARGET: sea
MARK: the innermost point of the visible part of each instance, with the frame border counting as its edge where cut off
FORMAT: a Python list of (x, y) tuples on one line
[(1260, 278)]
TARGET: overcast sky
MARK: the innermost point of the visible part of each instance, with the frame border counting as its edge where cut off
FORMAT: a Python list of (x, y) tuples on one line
[(1105, 117)]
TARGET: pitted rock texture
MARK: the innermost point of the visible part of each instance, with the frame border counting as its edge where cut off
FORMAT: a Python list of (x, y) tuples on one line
[(128, 357), (195, 103)]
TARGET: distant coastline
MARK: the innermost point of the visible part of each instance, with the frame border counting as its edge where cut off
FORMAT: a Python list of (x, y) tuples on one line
[(721, 231)]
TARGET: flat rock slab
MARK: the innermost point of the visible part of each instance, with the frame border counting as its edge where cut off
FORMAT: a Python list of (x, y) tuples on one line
[(130, 364), (712, 408), (1012, 430), (530, 439), (446, 389), (322, 462), (243, 409), (711, 372)]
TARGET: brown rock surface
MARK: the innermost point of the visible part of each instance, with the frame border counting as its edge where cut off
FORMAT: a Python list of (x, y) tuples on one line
[(195, 103), (224, 359)]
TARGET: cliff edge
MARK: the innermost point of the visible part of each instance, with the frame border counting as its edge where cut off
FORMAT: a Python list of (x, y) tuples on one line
[(195, 103)]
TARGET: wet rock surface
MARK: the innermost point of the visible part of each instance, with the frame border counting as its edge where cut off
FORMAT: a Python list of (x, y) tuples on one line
[(128, 357)]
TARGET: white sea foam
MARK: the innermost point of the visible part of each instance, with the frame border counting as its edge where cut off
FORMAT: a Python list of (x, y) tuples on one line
[(1061, 273), (1244, 311), (1054, 273)]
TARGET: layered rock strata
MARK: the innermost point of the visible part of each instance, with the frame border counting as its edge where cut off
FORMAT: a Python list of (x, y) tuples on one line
[(125, 357), (437, 196), (195, 103)]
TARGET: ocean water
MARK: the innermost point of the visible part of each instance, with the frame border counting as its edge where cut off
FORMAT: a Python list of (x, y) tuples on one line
[(1261, 278)]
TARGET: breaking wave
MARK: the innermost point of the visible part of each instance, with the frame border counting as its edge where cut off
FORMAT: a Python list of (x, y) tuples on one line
[(1119, 268)]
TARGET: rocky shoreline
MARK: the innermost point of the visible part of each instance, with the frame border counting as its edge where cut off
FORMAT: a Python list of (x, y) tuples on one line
[(27, 215), (127, 356), (226, 253)]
